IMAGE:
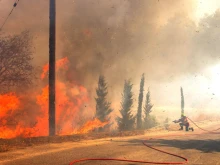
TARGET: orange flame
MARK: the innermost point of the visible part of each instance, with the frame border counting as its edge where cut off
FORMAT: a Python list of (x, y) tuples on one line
[(59, 64), (70, 105), (19, 131), (8, 102), (90, 126)]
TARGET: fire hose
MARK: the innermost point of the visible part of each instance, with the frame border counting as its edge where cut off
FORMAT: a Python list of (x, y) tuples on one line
[(213, 131), (142, 161)]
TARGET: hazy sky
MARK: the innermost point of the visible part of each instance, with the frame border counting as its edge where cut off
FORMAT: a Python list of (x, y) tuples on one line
[(174, 42)]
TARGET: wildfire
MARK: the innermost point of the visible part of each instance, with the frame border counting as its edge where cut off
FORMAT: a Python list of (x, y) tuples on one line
[(89, 126), (59, 64), (8, 102), (23, 116), (19, 131)]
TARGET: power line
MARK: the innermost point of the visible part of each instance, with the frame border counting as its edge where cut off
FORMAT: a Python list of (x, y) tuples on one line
[(15, 4)]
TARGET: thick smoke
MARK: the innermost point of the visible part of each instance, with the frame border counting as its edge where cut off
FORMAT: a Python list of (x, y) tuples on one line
[(104, 36), (122, 38)]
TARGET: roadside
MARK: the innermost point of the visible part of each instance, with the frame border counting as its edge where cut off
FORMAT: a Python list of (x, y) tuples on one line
[(53, 148), (22, 143)]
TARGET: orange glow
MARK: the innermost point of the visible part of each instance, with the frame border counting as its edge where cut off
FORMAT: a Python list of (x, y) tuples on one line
[(89, 126), (71, 99), (62, 63), (8, 102)]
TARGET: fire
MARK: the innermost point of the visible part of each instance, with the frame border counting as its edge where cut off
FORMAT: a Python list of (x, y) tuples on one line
[(19, 131), (59, 64), (8, 102), (70, 100), (89, 126), (25, 116)]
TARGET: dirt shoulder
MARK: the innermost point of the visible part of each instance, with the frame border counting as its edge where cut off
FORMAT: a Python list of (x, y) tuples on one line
[(174, 140), (22, 143)]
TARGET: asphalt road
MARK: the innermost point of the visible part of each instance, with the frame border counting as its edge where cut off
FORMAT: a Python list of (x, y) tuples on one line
[(198, 147)]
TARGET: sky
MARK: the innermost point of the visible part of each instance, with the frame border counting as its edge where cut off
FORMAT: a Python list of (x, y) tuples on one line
[(204, 7), (174, 42)]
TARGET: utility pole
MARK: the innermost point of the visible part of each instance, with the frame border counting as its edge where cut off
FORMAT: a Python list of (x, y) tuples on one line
[(52, 67)]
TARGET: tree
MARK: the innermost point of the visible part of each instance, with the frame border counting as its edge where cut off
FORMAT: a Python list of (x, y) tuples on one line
[(182, 102), (126, 121), (103, 109), (140, 101), (166, 123), (149, 121), (16, 69)]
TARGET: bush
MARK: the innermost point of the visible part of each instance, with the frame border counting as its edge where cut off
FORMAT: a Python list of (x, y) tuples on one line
[(150, 122)]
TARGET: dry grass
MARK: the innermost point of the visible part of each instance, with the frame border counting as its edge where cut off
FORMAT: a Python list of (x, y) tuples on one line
[(4, 148), (20, 143)]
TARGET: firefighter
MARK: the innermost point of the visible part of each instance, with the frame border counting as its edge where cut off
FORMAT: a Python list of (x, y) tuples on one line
[(183, 122)]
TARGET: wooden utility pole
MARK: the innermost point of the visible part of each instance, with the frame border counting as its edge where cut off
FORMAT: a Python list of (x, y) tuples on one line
[(52, 67)]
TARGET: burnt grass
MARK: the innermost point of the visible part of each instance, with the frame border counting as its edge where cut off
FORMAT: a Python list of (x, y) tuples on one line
[(20, 143)]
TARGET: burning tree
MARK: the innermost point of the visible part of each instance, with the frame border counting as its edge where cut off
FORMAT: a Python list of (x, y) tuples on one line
[(140, 100), (103, 109), (126, 121), (149, 121), (15, 63)]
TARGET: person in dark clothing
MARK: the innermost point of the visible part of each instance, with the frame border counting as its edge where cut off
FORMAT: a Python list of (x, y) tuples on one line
[(183, 122)]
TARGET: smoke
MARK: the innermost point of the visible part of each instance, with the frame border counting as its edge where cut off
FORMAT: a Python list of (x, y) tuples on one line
[(121, 36), (121, 39), (103, 36)]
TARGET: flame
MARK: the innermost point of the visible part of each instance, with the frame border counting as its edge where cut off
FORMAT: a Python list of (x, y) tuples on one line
[(8, 102), (19, 131), (90, 126), (25, 116), (59, 64)]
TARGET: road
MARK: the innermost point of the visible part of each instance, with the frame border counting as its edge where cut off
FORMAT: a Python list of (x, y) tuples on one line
[(198, 147)]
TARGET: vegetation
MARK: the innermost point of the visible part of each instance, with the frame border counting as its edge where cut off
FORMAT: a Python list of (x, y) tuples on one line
[(140, 101), (182, 101), (16, 69), (166, 123), (149, 121), (127, 120), (103, 108)]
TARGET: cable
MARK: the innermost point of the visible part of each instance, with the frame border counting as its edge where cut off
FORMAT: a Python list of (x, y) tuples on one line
[(15, 4), (147, 162), (136, 161), (213, 131)]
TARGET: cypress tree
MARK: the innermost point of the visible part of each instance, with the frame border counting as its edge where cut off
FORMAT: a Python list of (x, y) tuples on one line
[(182, 102), (103, 108), (126, 121), (140, 101), (149, 121)]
